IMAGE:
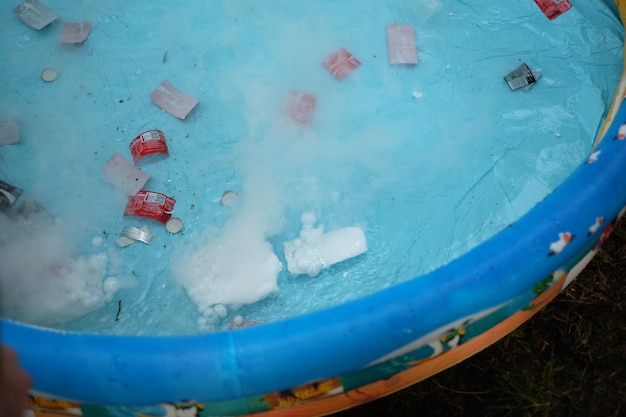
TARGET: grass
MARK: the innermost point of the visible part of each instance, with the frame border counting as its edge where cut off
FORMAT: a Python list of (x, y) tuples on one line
[(568, 360)]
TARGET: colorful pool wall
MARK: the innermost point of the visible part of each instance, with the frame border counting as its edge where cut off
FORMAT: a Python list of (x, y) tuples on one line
[(353, 353)]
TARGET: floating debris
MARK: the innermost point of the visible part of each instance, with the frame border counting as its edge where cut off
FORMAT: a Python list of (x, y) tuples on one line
[(401, 44), (174, 225), (119, 310), (341, 63), (124, 175), (34, 14), (553, 8), (33, 213), (8, 196), (238, 322), (315, 250), (521, 76), (150, 204), (9, 132), (49, 75), (229, 198), (75, 32), (150, 142), (130, 235), (97, 241), (173, 101), (300, 107)]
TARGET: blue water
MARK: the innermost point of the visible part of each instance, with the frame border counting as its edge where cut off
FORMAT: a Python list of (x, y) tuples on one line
[(426, 178)]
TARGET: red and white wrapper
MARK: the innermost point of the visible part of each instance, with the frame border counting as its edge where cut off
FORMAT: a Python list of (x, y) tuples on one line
[(150, 204), (176, 103), (553, 8), (148, 143), (341, 63), (75, 32), (300, 107), (401, 44)]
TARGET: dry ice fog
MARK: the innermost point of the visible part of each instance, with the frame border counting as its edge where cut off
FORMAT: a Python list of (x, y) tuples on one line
[(345, 184)]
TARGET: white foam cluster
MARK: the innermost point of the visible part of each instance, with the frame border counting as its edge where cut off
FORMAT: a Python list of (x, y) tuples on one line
[(239, 267), (43, 283), (113, 284), (315, 250), (212, 317)]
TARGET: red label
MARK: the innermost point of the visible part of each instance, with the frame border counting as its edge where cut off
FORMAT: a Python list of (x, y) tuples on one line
[(147, 143), (300, 107), (341, 63), (553, 8), (150, 204)]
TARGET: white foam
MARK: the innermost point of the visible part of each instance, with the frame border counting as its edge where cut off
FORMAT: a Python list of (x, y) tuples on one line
[(113, 284), (239, 267), (41, 281), (315, 250)]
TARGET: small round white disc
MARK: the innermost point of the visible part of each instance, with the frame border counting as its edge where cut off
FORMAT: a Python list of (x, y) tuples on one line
[(49, 75), (174, 225), (229, 198)]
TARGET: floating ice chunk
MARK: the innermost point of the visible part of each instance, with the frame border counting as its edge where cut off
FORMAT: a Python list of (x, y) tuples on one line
[(123, 175), (236, 268), (315, 250)]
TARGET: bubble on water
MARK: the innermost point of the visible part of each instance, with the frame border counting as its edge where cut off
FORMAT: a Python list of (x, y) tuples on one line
[(205, 325), (111, 285), (211, 316), (220, 310), (308, 219), (97, 241), (237, 320)]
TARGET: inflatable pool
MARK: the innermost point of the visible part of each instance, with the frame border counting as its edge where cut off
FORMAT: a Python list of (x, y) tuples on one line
[(242, 207)]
